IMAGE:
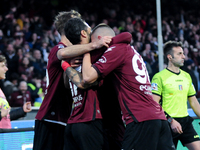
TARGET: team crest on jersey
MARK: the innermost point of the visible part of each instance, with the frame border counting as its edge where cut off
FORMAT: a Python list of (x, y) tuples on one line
[(154, 86), (180, 87), (60, 46)]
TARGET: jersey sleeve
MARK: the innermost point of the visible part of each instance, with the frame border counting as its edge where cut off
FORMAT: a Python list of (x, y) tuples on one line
[(192, 90), (110, 60), (156, 85)]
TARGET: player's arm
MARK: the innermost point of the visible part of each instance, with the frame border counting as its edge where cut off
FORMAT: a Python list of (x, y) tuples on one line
[(89, 73), (75, 77), (66, 80), (77, 50), (194, 105)]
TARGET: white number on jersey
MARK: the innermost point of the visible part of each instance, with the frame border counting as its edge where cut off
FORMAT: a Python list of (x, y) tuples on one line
[(142, 74)]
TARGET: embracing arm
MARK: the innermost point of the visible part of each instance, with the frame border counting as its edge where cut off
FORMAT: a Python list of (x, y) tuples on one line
[(76, 77), (89, 73), (77, 50)]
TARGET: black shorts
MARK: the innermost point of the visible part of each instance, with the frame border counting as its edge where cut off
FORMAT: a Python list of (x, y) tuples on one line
[(84, 136), (189, 134), (148, 135), (48, 136)]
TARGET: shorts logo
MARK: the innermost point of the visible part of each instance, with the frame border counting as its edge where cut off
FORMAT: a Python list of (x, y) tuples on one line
[(154, 86), (180, 87)]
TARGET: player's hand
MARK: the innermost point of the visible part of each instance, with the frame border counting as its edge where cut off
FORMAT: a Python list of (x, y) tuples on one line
[(4, 112), (27, 107), (75, 62), (176, 127), (103, 41)]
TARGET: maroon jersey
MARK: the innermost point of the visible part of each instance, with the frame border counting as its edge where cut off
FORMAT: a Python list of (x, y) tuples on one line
[(131, 80), (56, 106), (85, 105)]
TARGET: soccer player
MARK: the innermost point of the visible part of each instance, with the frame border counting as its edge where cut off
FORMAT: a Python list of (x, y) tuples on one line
[(173, 87), (84, 128), (52, 116), (146, 125), (113, 126)]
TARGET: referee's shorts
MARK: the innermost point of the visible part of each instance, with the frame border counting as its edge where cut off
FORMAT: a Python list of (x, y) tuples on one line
[(189, 134)]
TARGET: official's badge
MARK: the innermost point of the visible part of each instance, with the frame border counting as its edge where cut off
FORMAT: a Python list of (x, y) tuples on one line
[(180, 87), (154, 86)]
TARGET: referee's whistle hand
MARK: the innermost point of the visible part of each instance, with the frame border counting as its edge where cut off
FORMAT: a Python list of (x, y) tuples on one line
[(176, 127)]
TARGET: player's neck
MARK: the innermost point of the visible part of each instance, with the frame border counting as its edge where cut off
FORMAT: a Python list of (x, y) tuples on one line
[(173, 68), (65, 41)]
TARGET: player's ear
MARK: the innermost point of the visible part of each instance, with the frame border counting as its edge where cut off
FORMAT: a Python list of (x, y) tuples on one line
[(169, 56), (83, 33)]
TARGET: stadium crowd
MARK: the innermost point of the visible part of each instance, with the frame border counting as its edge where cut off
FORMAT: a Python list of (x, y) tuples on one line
[(27, 34)]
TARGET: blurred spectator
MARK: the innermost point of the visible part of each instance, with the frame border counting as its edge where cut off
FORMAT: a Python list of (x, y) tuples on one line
[(20, 54), (35, 41), (148, 54), (36, 25), (21, 20), (18, 32), (18, 41), (35, 88), (189, 67), (45, 51), (151, 40), (139, 24), (11, 85), (56, 36), (18, 98), (112, 20), (2, 42), (49, 38), (12, 60), (10, 22), (27, 32), (25, 68), (39, 64), (26, 48)]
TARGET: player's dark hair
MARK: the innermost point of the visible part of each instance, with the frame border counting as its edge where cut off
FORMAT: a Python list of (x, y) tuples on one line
[(62, 18), (168, 48), (73, 29)]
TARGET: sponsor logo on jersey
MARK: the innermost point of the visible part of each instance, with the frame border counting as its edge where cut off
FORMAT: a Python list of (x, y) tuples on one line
[(196, 136), (154, 86), (180, 87), (145, 87)]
